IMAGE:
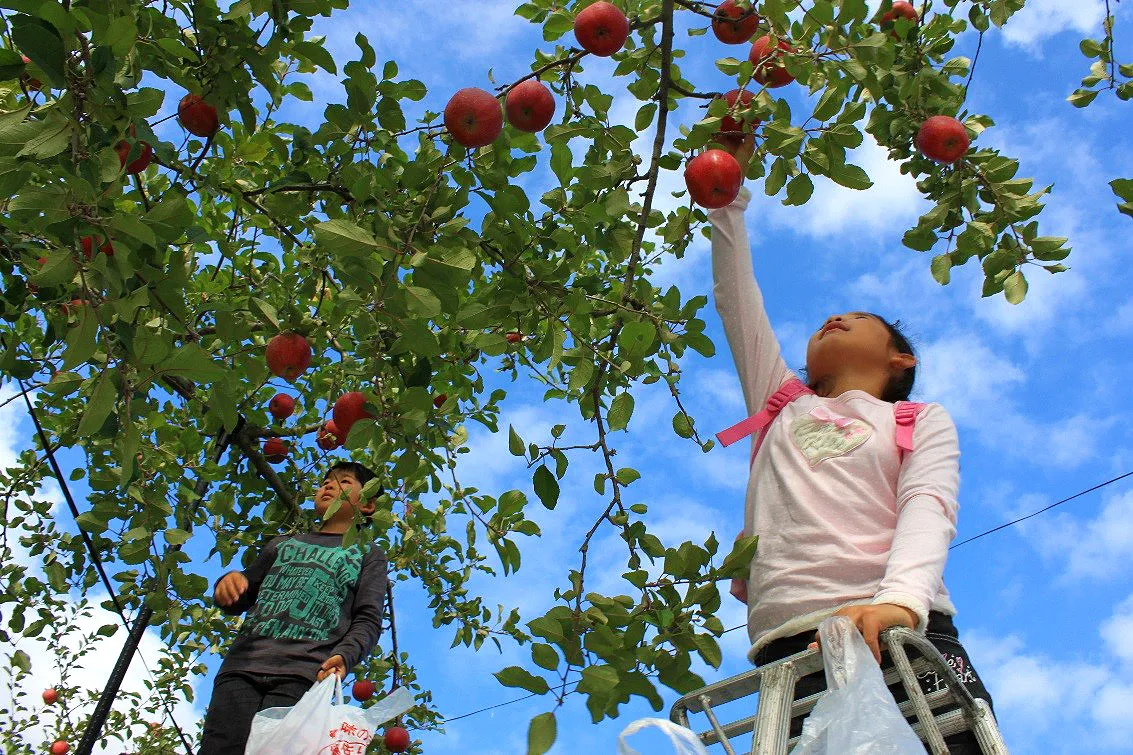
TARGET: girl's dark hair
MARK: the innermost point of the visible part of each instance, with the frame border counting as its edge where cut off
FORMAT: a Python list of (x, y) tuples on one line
[(900, 387)]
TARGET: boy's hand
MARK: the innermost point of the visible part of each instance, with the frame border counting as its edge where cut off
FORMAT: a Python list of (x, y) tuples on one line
[(336, 664), (872, 620), (230, 588)]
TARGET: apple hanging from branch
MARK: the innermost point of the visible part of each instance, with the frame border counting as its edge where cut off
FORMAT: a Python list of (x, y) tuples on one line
[(348, 409), (943, 139), (601, 29), (732, 24), (530, 106), (281, 406), (197, 117), (474, 117), (713, 178), (275, 450), (396, 739), (767, 59), (288, 355), (329, 437)]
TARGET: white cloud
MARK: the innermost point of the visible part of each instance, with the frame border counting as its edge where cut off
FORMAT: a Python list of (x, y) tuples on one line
[(888, 207), (1053, 705), (1041, 19), (1085, 549)]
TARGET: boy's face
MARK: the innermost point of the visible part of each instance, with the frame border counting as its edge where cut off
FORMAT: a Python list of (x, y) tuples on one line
[(341, 483)]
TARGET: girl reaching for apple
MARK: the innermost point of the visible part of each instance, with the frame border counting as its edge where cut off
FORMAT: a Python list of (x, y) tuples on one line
[(852, 489)]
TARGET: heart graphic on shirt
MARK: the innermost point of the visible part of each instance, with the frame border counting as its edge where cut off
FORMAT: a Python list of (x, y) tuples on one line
[(821, 435)]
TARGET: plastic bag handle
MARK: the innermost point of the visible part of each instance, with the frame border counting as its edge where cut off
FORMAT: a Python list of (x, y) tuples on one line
[(337, 690)]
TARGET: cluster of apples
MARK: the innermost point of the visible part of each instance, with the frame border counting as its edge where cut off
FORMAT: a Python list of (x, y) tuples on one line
[(714, 177), (473, 116), (288, 356), (195, 115)]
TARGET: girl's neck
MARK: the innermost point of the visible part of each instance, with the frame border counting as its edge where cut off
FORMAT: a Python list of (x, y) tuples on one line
[(833, 386)]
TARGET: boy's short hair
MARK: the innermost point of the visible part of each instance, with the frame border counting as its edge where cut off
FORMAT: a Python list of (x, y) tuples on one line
[(361, 473)]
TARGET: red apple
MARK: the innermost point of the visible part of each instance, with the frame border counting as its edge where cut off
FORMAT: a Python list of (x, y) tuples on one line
[(362, 690), (60, 747), (601, 29), (768, 72), (734, 127), (144, 153), (288, 355), (514, 337), (329, 437), (440, 399), (943, 139), (732, 24), (349, 408), (197, 116), (474, 117), (396, 739), (901, 9), (281, 406), (529, 106), (88, 242), (713, 178), (275, 450), (33, 85), (50, 696)]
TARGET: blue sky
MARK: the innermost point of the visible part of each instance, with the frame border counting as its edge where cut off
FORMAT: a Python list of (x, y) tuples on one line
[(1045, 608)]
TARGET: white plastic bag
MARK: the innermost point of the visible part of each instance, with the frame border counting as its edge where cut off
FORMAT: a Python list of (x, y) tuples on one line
[(858, 715), (318, 723), (686, 742)]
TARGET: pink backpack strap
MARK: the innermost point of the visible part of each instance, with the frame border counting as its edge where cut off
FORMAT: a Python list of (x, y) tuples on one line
[(787, 393), (905, 415)]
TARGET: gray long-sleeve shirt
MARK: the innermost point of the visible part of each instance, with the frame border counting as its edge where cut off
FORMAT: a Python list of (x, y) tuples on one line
[(308, 599)]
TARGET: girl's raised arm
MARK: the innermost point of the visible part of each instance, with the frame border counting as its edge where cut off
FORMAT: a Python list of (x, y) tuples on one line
[(740, 304)]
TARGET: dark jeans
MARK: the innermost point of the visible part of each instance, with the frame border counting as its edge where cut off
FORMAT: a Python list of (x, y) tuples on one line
[(941, 632), (236, 698)]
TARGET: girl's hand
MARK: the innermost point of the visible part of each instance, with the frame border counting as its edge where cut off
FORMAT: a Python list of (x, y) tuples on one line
[(229, 589), (742, 151), (871, 621), (336, 664)]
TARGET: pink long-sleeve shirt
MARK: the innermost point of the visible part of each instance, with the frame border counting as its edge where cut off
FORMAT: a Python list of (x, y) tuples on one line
[(842, 519)]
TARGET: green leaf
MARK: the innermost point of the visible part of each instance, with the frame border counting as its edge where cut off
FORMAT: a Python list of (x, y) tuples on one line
[(645, 116), (1015, 287), (345, 239), (850, 176), (422, 302), (41, 42), (942, 268), (627, 475), (544, 656), (799, 190), (635, 339), (81, 338), (546, 486), (191, 362), (681, 425), (620, 411), (514, 442), (737, 563), (22, 661), (99, 406), (709, 649), (541, 733), (1082, 97), (515, 676)]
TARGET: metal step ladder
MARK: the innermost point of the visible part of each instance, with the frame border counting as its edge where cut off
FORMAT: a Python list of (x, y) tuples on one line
[(775, 684)]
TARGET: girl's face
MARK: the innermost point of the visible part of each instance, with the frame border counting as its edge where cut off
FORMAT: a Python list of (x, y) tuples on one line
[(856, 341)]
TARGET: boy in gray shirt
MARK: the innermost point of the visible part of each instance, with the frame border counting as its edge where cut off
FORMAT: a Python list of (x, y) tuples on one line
[(314, 608)]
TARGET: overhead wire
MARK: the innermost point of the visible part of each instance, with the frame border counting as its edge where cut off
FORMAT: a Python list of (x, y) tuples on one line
[(957, 545)]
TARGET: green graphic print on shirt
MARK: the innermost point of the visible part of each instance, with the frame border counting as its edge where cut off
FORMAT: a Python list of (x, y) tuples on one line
[(302, 594)]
